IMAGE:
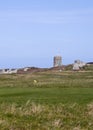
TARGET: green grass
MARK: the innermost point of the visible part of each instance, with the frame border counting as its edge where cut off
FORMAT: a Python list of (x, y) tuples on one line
[(58, 101), (47, 95)]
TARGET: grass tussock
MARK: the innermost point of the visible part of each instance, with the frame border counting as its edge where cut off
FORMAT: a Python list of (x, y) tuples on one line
[(32, 116)]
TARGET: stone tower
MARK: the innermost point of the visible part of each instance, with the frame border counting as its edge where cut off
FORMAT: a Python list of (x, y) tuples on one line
[(57, 61)]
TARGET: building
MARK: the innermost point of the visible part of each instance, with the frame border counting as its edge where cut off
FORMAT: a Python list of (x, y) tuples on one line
[(57, 61), (8, 71), (78, 65)]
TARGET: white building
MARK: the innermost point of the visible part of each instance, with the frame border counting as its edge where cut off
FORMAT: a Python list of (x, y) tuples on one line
[(8, 71), (78, 65)]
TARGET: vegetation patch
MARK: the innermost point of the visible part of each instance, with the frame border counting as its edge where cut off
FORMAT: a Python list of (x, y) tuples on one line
[(49, 100)]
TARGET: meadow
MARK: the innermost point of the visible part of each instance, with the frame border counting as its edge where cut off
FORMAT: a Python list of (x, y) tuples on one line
[(49, 100)]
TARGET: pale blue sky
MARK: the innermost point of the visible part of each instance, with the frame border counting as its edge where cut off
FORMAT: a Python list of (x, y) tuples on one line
[(32, 32)]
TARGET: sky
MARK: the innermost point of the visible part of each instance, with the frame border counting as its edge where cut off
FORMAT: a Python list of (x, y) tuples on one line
[(32, 32)]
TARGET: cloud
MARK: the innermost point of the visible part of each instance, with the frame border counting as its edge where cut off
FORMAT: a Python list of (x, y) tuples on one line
[(53, 17)]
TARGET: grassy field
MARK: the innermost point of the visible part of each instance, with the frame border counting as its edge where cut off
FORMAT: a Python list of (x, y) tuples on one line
[(49, 100)]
